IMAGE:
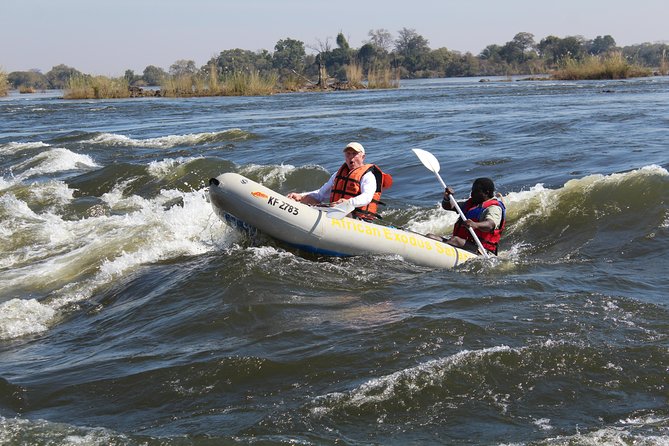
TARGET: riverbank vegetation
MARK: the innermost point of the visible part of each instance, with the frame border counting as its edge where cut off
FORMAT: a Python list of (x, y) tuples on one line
[(611, 66), (236, 84), (96, 87), (380, 62), (4, 85)]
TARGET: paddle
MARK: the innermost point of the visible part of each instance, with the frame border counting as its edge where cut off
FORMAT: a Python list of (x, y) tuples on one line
[(339, 211), (432, 164)]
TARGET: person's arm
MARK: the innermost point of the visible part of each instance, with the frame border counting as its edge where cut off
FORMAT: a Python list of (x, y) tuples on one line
[(367, 190), (491, 218), (446, 202), (315, 196)]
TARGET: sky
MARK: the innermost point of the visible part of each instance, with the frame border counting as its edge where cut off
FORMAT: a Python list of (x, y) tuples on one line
[(107, 37)]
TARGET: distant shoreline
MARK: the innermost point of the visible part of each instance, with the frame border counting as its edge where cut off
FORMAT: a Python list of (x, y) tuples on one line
[(155, 92), (380, 62)]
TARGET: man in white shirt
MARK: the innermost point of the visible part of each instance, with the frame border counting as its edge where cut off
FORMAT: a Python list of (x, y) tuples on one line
[(354, 154)]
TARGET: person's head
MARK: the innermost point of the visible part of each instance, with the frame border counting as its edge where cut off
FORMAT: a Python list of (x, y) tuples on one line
[(483, 189), (354, 155)]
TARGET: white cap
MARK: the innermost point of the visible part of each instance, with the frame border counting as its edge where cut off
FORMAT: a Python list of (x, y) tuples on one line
[(355, 146)]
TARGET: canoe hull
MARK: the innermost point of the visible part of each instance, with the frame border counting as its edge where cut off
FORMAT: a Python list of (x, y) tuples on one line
[(310, 229)]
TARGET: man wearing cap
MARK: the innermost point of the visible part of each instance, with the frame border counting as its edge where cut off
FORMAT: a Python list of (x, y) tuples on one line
[(359, 183)]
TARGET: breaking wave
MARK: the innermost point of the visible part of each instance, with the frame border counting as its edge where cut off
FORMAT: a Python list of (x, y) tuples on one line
[(113, 139)]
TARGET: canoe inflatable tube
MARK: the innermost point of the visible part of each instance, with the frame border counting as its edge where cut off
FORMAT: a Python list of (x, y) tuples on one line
[(252, 205)]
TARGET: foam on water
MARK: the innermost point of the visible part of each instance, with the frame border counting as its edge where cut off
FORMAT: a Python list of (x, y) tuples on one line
[(68, 260), (16, 147), (613, 435), (412, 380), (528, 205), (169, 141), (20, 317), (165, 167), (269, 175), (23, 431), (52, 161)]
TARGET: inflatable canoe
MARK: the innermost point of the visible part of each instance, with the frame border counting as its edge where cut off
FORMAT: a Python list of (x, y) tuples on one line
[(244, 202)]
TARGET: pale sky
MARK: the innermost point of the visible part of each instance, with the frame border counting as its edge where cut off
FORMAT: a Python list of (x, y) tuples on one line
[(109, 36)]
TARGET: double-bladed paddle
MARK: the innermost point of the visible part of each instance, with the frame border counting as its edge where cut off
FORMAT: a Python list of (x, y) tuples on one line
[(432, 164)]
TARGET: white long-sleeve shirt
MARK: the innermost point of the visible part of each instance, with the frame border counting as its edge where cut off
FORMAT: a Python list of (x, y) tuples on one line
[(367, 190)]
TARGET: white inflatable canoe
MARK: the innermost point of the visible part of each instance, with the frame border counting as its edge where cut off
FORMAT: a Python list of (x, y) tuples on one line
[(240, 200)]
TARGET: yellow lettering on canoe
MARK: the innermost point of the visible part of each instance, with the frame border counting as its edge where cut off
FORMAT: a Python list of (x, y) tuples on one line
[(391, 234)]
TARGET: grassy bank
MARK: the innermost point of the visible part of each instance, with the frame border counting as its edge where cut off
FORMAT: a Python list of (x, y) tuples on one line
[(96, 87), (612, 66), (210, 84), (237, 84), (4, 85)]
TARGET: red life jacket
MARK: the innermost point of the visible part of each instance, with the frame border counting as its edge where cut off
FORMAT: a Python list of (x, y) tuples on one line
[(347, 185), (489, 240)]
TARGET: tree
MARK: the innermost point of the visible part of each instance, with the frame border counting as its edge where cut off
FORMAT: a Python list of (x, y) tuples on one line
[(491, 52), (602, 45), (238, 60), (289, 55), (381, 39), (525, 41), (340, 57), (131, 78), (333, 60), (183, 68), (555, 49), (519, 50), (437, 60), (342, 43), (572, 46), (60, 75), (322, 48), (153, 75), (367, 55), (648, 54), (29, 79), (463, 65), (412, 49)]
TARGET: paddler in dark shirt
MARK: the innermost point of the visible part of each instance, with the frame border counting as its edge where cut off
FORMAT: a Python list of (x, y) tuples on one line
[(485, 214)]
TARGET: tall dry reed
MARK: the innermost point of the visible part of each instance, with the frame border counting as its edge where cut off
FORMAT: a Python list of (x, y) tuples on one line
[(383, 78), (664, 64), (178, 86), (611, 66), (250, 84), (354, 75), (4, 84), (96, 87)]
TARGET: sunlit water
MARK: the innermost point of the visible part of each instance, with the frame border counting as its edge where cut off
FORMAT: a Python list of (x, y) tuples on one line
[(131, 315)]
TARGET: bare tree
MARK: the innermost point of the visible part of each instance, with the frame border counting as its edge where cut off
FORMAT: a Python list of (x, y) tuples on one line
[(381, 39), (321, 48)]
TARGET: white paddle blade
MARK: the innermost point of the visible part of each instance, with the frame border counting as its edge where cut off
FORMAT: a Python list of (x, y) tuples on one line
[(427, 159), (430, 162), (339, 211)]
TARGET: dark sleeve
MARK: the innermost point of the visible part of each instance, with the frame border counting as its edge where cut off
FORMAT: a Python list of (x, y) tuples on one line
[(445, 204)]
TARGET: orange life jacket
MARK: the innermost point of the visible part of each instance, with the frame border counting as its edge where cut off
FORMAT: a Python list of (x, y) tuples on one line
[(347, 185), (489, 240)]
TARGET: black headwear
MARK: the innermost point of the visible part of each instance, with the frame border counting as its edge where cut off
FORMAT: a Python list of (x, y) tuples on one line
[(485, 185)]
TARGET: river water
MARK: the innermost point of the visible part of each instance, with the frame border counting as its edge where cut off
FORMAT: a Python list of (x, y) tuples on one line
[(131, 315)]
